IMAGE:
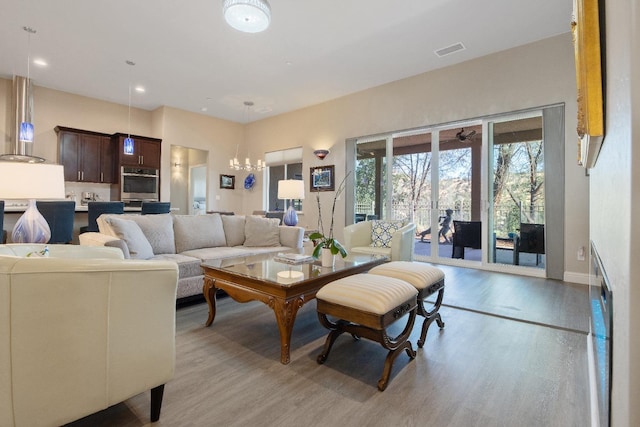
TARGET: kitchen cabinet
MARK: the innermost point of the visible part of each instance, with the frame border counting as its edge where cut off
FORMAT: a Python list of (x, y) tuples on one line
[(146, 151), (85, 155)]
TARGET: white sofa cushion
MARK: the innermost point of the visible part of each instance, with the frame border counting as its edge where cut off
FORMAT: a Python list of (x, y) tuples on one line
[(261, 231), (127, 230), (234, 229), (198, 231)]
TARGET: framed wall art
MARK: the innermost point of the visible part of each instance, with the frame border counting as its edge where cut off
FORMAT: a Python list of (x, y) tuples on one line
[(228, 181), (587, 28), (322, 178)]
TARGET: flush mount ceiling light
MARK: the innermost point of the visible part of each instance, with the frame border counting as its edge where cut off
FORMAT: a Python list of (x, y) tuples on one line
[(249, 16)]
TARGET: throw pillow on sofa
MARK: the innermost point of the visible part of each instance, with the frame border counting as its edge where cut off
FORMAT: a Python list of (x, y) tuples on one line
[(127, 230), (382, 232), (198, 231), (260, 231), (233, 229), (158, 229)]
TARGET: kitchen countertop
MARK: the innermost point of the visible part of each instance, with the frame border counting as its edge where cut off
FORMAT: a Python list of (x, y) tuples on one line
[(22, 206)]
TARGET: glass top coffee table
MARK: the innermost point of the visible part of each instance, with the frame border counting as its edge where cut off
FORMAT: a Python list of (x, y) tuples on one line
[(283, 287)]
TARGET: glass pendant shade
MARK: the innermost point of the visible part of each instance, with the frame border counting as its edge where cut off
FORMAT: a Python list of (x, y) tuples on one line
[(26, 132), (128, 146)]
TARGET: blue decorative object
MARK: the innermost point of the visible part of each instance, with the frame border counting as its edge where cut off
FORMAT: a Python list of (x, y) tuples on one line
[(128, 145), (26, 132), (290, 217), (249, 181)]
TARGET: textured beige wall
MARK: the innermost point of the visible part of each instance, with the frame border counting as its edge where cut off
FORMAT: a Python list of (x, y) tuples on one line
[(615, 203)]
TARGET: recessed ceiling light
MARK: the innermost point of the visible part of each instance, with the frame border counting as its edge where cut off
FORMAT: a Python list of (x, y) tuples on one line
[(204, 109), (40, 62), (289, 63), (140, 89)]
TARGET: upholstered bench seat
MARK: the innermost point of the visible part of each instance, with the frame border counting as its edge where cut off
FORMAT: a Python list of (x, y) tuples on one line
[(427, 280), (365, 305)]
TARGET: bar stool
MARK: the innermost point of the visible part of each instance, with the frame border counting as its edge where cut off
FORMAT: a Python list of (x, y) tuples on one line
[(59, 215)]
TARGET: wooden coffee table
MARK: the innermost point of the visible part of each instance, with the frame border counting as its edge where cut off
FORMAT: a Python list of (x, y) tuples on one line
[(283, 287)]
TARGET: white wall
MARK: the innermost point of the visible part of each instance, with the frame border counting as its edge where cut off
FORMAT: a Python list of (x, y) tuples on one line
[(615, 203)]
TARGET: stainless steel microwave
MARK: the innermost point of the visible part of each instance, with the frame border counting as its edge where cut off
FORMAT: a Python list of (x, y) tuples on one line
[(139, 184)]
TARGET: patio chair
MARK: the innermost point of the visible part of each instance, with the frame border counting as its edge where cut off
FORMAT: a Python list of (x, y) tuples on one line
[(531, 240), (467, 234)]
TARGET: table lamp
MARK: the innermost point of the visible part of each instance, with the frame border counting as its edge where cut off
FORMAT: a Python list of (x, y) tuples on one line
[(31, 181), (292, 189)]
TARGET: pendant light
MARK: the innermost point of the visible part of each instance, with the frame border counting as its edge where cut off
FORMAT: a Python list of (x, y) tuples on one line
[(128, 141), (25, 133)]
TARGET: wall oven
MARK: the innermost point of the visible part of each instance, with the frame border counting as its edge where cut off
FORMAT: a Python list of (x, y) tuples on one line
[(138, 185)]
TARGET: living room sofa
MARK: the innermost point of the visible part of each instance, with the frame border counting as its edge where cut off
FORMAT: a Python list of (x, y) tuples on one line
[(190, 240), (81, 330)]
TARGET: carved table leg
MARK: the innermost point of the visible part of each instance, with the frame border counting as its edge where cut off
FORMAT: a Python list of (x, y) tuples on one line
[(286, 312), (209, 291)]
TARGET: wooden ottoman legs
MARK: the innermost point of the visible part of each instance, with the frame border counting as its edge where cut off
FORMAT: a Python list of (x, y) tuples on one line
[(394, 345), (430, 315)]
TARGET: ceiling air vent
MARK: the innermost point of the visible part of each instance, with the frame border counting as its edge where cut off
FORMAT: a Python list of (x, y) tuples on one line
[(450, 49)]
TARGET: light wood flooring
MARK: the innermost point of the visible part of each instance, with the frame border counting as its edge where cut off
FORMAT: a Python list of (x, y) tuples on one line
[(513, 353)]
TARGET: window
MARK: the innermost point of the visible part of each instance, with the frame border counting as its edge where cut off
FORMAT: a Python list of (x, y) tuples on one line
[(284, 164)]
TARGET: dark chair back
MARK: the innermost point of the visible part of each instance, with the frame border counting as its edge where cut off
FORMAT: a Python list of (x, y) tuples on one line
[(360, 217), (531, 238), (275, 214), (95, 209), (149, 208), (59, 215), (467, 234)]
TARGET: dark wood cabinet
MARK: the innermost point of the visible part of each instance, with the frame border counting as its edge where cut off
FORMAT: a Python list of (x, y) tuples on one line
[(146, 151), (86, 156)]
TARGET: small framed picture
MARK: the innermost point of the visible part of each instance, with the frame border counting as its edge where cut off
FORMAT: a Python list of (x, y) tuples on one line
[(323, 178), (228, 181)]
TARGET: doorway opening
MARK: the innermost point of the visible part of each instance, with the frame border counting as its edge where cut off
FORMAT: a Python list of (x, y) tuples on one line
[(189, 180)]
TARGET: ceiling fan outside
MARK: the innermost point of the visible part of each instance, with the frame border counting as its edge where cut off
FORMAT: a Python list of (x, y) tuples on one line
[(462, 137)]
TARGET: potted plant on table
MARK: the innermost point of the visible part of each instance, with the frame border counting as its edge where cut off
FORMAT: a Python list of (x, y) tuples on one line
[(327, 246)]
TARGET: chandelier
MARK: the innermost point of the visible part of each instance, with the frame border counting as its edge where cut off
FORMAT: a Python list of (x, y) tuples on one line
[(247, 166)]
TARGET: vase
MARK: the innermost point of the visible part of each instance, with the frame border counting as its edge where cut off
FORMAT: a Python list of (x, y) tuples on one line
[(327, 259)]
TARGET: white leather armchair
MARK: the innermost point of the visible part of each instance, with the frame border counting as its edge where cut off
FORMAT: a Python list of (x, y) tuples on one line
[(357, 239), (82, 330)]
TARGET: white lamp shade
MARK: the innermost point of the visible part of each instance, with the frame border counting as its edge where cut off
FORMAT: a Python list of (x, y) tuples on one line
[(291, 189), (31, 181)]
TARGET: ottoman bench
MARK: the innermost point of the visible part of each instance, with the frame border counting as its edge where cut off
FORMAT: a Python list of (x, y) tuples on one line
[(427, 280), (364, 306)]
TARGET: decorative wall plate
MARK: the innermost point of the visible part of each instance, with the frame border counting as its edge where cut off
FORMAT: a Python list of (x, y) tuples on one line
[(249, 181)]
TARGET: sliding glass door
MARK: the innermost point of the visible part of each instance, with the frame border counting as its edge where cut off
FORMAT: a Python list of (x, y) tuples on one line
[(480, 192), (516, 191)]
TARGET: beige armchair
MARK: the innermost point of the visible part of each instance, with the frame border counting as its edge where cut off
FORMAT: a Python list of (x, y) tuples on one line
[(357, 239), (82, 330)]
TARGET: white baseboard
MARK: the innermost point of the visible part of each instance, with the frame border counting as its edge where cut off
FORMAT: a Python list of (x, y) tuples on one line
[(580, 278)]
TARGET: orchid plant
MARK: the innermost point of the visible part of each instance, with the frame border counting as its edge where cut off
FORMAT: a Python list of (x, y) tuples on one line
[(320, 238)]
